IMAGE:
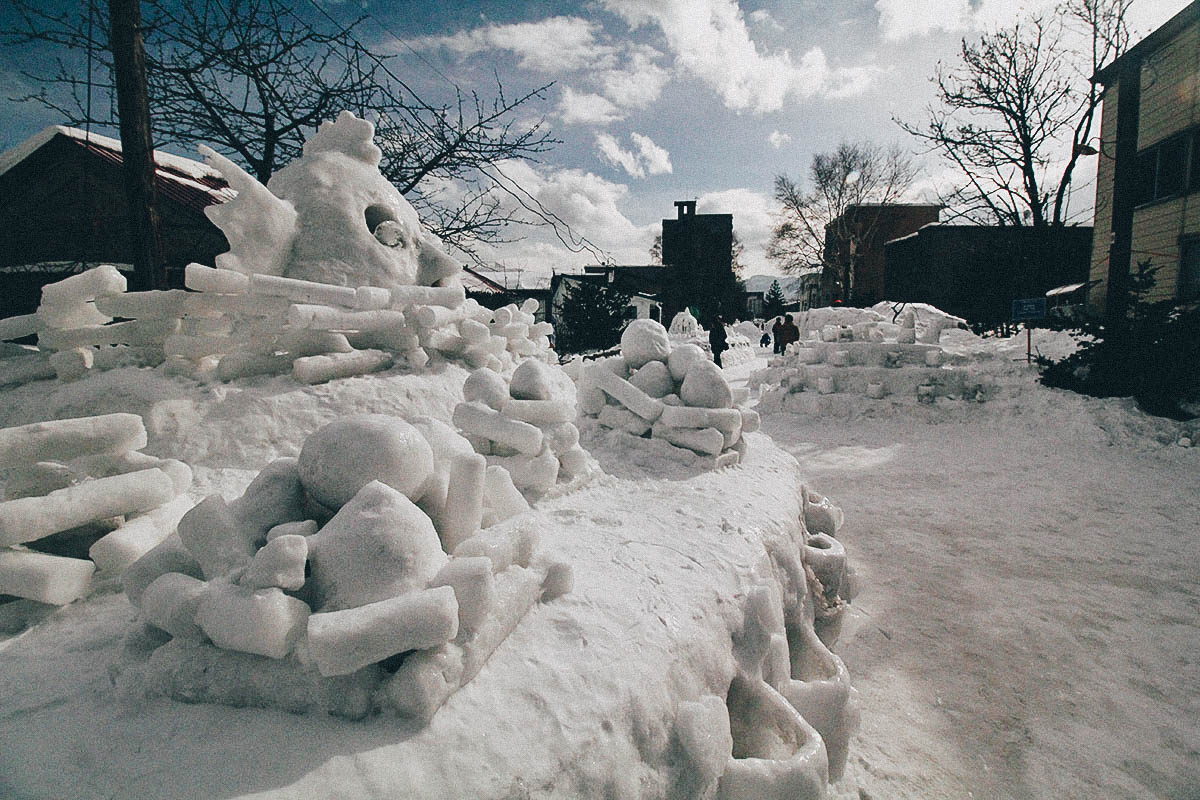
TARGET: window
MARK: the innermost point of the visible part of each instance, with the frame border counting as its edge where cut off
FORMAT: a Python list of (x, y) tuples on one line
[(1189, 268), (1168, 169)]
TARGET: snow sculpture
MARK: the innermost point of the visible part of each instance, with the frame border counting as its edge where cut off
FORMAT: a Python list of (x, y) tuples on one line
[(673, 394), (372, 570), (867, 364), (76, 484), (784, 726), (525, 425), (329, 275), (329, 217), (685, 326)]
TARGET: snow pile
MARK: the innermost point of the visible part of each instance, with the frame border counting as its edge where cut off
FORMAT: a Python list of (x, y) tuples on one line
[(72, 483), (524, 425), (364, 573), (834, 368), (673, 395)]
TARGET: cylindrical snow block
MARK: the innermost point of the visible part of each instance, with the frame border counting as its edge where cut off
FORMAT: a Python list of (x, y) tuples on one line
[(138, 332), (369, 298), (170, 603), (200, 278), (625, 393), (501, 499), (448, 296), (318, 369), (328, 318), (303, 291), (116, 551), (18, 327), (726, 420), (32, 518), (463, 512), (478, 419), (341, 642), (159, 304), (538, 412), (705, 441), (45, 578)]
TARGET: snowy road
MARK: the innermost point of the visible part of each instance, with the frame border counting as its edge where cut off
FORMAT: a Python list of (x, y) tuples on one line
[(1030, 622)]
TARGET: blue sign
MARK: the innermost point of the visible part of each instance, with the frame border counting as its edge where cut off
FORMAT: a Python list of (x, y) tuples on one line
[(1033, 308)]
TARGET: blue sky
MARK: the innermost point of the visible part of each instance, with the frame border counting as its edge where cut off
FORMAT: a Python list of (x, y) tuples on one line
[(664, 100)]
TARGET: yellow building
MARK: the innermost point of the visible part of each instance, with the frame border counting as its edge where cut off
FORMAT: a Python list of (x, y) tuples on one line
[(1148, 177)]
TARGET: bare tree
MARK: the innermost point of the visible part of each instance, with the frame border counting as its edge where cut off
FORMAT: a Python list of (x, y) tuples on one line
[(813, 227), (1014, 115), (253, 79)]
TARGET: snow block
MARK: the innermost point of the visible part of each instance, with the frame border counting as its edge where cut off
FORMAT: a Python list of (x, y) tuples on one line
[(338, 459), (705, 386), (487, 387), (644, 340), (170, 603), (65, 439), (216, 538), (31, 518), (265, 622), (278, 563), (274, 497), (501, 499), (323, 368), (342, 642), (625, 393), (168, 556), (479, 420), (45, 578), (378, 546), (474, 588), (117, 551)]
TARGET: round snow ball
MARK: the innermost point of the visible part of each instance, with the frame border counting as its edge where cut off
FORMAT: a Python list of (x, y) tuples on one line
[(705, 387), (487, 387), (654, 379), (531, 380), (683, 357), (344, 456), (644, 340)]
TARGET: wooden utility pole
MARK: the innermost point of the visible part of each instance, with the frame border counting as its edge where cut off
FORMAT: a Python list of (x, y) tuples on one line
[(137, 150)]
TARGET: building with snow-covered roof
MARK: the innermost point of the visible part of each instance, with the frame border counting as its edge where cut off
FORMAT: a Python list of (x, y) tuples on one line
[(63, 209)]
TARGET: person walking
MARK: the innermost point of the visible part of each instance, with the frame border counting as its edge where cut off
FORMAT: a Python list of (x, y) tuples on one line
[(717, 339), (776, 333)]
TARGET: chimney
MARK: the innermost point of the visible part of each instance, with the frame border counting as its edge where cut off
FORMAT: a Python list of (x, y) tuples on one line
[(687, 208)]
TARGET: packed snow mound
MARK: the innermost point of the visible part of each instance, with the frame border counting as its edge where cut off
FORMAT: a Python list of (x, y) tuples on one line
[(80, 487), (357, 576), (672, 394), (329, 217)]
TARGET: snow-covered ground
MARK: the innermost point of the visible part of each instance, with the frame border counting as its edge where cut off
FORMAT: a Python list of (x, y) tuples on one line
[(1027, 625)]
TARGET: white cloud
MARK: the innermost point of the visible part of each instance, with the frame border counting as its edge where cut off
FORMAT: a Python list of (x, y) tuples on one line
[(752, 222), (589, 204), (710, 41), (778, 139), (763, 18), (648, 158), (902, 19), (638, 82), (587, 109), (656, 159), (555, 44), (612, 152)]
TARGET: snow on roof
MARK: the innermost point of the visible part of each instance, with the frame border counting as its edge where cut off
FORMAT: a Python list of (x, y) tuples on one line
[(186, 172)]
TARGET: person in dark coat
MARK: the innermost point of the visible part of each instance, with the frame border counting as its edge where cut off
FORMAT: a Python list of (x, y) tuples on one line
[(777, 334), (788, 333), (717, 339)]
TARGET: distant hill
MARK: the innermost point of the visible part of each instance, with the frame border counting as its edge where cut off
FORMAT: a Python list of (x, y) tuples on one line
[(790, 284)]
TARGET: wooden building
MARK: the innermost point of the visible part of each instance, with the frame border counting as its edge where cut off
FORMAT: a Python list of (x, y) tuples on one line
[(1148, 176), (63, 209)]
